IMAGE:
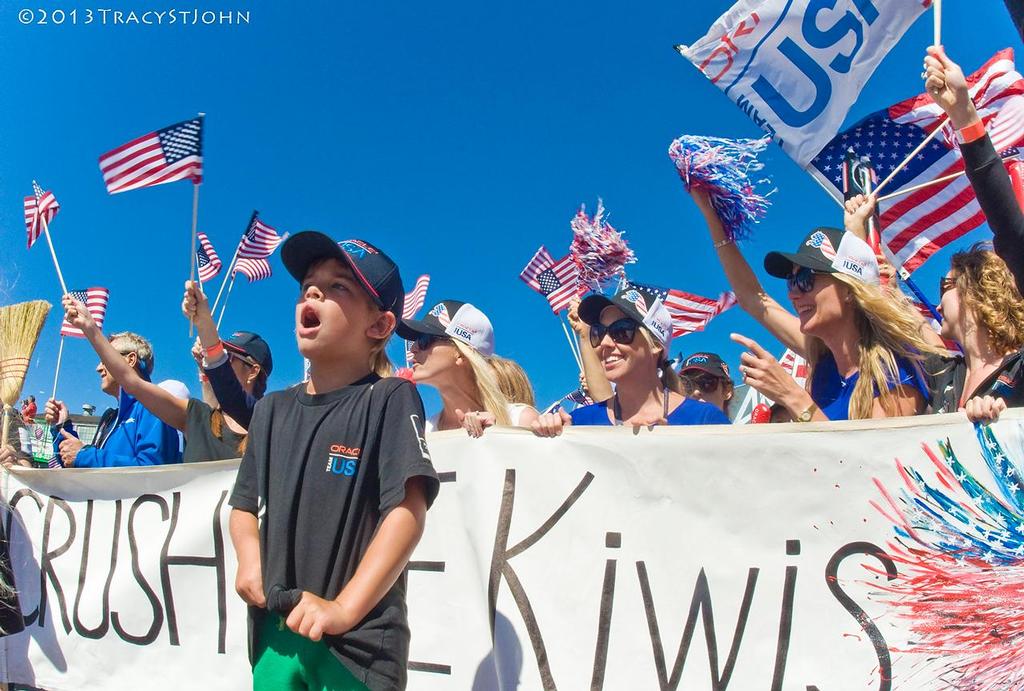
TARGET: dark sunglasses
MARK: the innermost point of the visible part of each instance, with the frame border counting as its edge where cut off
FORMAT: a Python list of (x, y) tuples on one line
[(245, 360), (945, 284), (708, 383), (802, 281), (423, 342), (622, 331)]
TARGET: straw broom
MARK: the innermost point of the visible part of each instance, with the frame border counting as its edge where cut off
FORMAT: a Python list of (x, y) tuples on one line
[(20, 326)]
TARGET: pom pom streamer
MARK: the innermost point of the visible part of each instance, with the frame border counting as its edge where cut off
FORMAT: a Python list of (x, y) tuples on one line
[(598, 249), (723, 168), (959, 548)]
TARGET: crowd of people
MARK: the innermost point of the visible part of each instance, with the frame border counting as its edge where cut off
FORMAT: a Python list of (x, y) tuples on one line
[(870, 355)]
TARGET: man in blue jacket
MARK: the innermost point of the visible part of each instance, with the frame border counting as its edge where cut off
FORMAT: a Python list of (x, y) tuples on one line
[(137, 437)]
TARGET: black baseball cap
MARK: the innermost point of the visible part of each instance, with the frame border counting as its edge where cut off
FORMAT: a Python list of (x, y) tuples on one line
[(706, 362), (252, 346), (827, 250), (372, 268), (453, 319), (641, 303)]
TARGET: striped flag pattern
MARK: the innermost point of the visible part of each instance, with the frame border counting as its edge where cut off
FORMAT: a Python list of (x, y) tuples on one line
[(170, 154), (691, 313), (415, 298), (39, 206), (252, 269), (558, 281), (95, 300), (259, 240), (917, 225), (206, 258)]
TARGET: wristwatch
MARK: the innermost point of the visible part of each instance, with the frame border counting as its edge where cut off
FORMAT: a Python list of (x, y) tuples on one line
[(807, 414)]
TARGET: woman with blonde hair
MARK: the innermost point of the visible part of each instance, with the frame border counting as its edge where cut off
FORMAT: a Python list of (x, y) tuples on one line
[(864, 344), (450, 350), (512, 381)]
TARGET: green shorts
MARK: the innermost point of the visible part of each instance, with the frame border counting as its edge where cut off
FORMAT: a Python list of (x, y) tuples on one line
[(285, 660)]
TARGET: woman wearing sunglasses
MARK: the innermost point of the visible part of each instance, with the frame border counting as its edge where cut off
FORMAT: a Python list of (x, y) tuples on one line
[(706, 378), (631, 332), (450, 350), (864, 344)]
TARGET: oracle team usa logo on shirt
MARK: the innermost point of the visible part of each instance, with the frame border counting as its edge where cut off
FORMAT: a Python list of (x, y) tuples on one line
[(343, 460)]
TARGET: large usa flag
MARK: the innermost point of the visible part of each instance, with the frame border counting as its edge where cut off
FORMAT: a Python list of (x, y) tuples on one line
[(917, 225)]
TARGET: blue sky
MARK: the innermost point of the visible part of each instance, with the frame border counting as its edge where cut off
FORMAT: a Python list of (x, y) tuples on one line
[(457, 136)]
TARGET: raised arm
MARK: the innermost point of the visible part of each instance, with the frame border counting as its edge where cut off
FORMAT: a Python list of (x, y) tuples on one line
[(166, 406), (946, 84), (598, 386), (230, 394), (782, 324)]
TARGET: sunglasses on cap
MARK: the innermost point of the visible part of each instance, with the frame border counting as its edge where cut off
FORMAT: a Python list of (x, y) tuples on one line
[(423, 342), (802, 280), (703, 381), (621, 331), (244, 359), (945, 284)]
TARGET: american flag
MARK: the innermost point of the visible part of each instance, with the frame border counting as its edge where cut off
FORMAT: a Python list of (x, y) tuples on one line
[(173, 153), (557, 281), (95, 300), (259, 240), (917, 225), (253, 269), (795, 366), (415, 298), (206, 258), (690, 313), (39, 206)]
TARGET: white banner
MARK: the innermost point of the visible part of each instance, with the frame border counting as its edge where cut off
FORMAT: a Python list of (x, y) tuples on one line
[(749, 557), (796, 66)]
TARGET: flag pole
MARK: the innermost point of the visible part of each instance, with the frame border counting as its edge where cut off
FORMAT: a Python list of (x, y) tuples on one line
[(224, 308), (915, 152), (937, 19), (936, 181), (575, 355), (60, 354), (192, 255), (829, 192), (234, 258), (60, 275)]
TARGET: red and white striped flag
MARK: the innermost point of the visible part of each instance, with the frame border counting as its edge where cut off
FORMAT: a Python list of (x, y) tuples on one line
[(259, 241), (39, 206), (206, 258), (173, 153), (95, 300), (253, 269), (691, 313), (917, 225), (415, 298), (795, 366), (557, 281)]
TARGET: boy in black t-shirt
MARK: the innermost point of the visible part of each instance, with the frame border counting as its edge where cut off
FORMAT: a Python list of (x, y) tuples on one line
[(332, 492)]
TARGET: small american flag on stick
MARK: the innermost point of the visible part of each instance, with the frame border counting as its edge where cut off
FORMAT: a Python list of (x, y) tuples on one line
[(691, 313), (39, 206), (166, 155), (207, 261), (95, 300), (558, 281), (259, 240), (415, 298), (252, 269)]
